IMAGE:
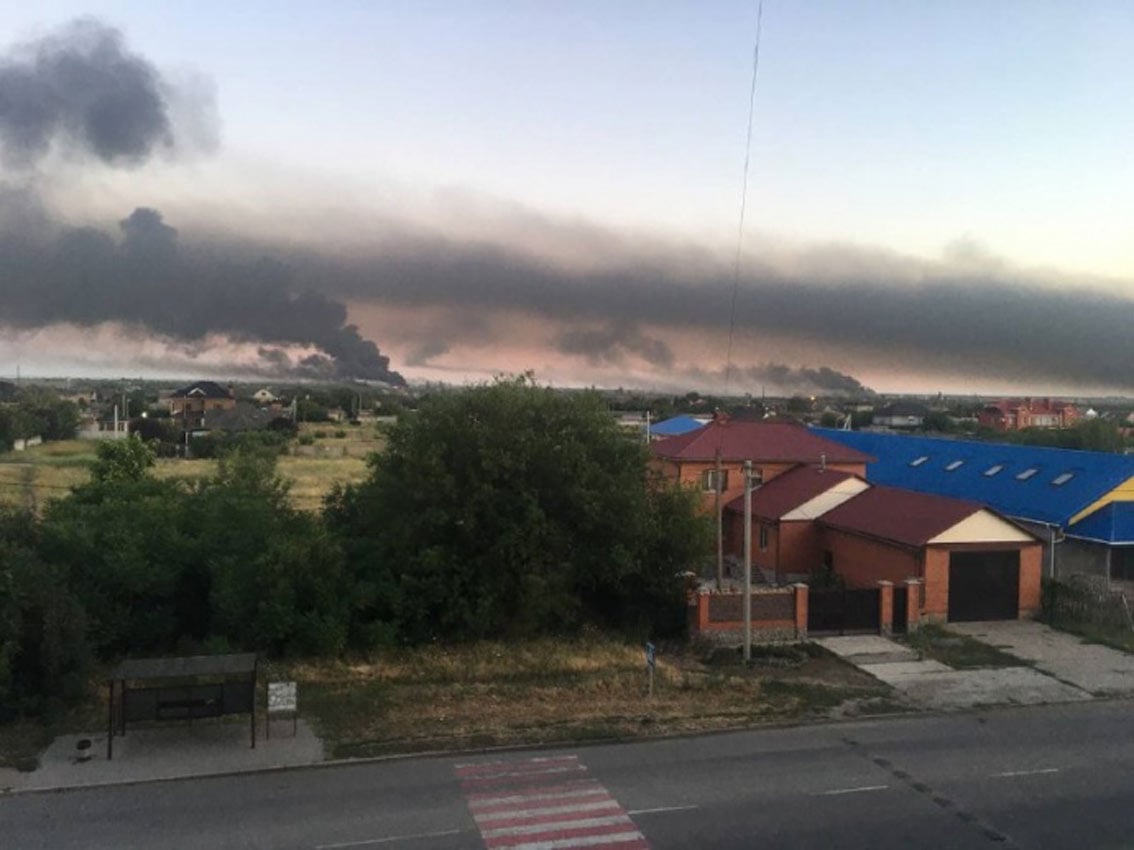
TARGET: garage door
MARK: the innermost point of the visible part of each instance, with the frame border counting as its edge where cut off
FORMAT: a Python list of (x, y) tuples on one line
[(984, 585)]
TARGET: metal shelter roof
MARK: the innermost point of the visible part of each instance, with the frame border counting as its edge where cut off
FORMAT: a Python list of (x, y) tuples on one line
[(1026, 482), (138, 669)]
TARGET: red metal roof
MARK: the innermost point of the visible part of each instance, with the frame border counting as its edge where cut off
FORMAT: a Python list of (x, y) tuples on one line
[(788, 491), (767, 442), (902, 516)]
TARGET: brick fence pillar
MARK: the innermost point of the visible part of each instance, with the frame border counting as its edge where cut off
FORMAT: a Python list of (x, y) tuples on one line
[(702, 598), (801, 591), (913, 604), (885, 608)]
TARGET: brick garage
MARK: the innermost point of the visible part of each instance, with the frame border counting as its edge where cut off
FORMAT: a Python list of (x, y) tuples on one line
[(973, 563)]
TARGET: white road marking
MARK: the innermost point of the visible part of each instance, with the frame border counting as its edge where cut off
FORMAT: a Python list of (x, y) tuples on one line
[(582, 841), (661, 809), (859, 790), (1037, 772), (588, 790), (368, 841), (608, 804), (557, 826)]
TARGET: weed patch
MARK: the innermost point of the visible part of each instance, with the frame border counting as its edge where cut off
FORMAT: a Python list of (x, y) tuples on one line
[(958, 651)]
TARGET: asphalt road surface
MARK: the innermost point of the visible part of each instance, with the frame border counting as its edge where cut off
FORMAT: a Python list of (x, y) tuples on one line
[(1047, 777)]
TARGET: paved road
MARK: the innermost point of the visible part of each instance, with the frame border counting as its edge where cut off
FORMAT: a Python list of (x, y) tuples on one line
[(1042, 777)]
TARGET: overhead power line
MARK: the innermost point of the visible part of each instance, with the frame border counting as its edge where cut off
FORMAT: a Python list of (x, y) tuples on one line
[(743, 196)]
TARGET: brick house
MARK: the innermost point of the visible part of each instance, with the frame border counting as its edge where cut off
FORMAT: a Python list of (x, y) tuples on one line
[(1018, 414), (774, 447), (973, 563)]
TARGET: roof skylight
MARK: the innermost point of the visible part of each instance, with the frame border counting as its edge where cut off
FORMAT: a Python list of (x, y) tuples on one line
[(956, 464), (918, 461), (993, 470), (1027, 473), (1062, 478)]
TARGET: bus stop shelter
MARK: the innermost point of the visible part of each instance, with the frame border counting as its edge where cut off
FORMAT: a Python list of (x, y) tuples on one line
[(149, 689)]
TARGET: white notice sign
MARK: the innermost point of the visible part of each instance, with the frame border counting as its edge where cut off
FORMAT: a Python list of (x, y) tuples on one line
[(282, 697)]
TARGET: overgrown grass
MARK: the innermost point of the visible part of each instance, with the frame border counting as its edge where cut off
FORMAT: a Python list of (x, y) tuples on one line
[(958, 651), (1120, 639), (49, 471), (548, 691), (537, 692)]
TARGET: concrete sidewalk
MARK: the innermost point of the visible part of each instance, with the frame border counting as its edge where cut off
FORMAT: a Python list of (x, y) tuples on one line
[(167, 752), (932, 684), (1092, 667)]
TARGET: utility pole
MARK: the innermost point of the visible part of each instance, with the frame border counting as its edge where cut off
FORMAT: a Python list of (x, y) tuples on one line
[(747, 561), (720, 522)]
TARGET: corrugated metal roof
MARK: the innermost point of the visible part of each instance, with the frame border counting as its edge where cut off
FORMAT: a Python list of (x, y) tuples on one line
[(675, 426), (1113, 523), (1026, 482), (767, 442), (903, 516), (788, 491)]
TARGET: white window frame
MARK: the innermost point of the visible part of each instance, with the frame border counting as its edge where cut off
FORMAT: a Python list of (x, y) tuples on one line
[(709, 476)]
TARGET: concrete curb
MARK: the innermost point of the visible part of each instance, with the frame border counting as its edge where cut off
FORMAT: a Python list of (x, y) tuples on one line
[(362, 761)]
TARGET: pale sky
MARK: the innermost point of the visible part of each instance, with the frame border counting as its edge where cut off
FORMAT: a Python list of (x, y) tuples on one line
[(965, 138)]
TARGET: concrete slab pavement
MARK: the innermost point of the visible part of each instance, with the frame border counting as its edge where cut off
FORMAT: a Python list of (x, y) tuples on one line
[(1097, 669), (168, 752), (932, 684)]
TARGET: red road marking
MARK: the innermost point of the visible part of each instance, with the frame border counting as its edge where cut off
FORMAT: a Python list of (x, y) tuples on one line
[(545, 804)]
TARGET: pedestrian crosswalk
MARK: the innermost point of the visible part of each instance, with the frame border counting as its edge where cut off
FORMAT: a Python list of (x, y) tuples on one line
[(545, 804)]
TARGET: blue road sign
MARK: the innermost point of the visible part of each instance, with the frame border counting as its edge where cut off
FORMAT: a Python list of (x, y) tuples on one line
[(650, 654)]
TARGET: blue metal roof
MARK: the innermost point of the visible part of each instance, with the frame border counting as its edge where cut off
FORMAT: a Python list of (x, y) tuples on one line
[(676, 426), (1026, 482), (1113, 523)]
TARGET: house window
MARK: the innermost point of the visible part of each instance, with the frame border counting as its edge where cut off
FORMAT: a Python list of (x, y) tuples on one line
[(918, 461), (1027, 473), (956, 464), (763, 538), (1062, 478), (993, 470), (710, 482)]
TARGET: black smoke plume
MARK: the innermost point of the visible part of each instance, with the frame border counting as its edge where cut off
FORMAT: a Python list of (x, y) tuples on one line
[(81, 88), (85, 277)]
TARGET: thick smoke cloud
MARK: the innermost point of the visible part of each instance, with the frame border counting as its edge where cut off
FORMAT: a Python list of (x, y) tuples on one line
[(81, 91), (611, 344), (86, 277), (915, 314), (781, 379), (81, 88)]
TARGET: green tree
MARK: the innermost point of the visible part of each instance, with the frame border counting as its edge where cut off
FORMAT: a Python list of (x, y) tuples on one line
[(122, 461), (510, 508), (44, 654)]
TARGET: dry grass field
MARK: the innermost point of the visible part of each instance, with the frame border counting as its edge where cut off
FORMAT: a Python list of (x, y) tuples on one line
[(547, 691), (327, 455)]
